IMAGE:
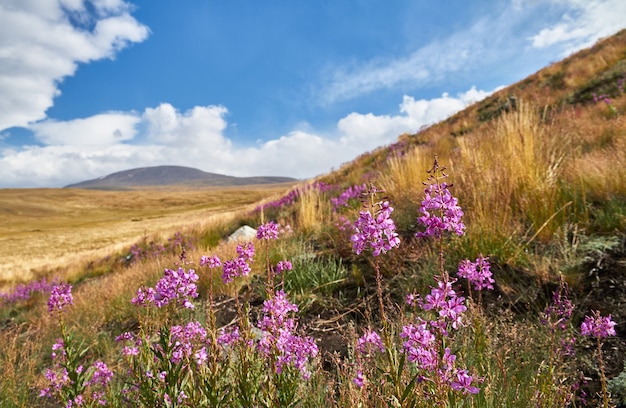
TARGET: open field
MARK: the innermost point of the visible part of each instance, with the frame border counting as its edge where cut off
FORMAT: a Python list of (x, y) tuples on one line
[(43, 229)]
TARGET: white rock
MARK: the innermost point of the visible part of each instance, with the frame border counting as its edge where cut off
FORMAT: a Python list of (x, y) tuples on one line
[(244, 233)]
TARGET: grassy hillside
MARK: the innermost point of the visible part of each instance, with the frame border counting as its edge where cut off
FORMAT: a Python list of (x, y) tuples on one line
[(539, 171)]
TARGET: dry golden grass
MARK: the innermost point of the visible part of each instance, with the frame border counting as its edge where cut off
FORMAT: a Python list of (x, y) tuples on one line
[(45, 229), (314, 211), (510, 172)]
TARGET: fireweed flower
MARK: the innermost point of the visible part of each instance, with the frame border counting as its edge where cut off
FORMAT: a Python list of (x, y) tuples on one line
[(187, 342), (420, 345), (359, 380), (378, 231), (463, 382), (477, 273), (60, 296), (239, 266), (278, 339), (227, 337), (370, 341), (598, 326), (441, 212), (101, 374), (267, 231), (283, 266), (176, 286), (444, 300), (412, 299), (212, 261), (246, 251), (561, 309)]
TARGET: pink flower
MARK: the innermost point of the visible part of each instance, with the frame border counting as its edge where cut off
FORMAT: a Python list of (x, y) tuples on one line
[(60, 296), (211, 261), (441, 212), (283, 266), (370, 339), (463, 383), (267, 231), (378, 231), (598, 326), (359, 380)]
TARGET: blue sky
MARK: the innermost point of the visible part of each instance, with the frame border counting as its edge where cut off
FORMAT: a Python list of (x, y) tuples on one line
[(284, 88)]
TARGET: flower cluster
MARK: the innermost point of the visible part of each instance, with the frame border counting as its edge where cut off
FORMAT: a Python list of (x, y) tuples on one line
[(239, 266), (212, 261), (477, 273), (188, 342), (92, 381), (175, 286), (24, 291), (441, 212), (598, 326), (268, 231), (446, 303), (283, 266), (561, 308), (370, 341), (351, 192), (154, 249), (377, 231), (60, 296), (278, 338), (421, 343)]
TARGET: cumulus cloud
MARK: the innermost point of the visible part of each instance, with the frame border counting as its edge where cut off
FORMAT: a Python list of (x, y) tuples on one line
[(86, 148), (98, 130), (582, 24), (43, 41)]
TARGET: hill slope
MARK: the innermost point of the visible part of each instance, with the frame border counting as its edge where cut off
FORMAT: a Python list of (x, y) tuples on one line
[(170, 176)]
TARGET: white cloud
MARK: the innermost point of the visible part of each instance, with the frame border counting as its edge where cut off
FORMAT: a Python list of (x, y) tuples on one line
[(98, 130), (39, 46), (494, 40), (91, 147), (582, 24)]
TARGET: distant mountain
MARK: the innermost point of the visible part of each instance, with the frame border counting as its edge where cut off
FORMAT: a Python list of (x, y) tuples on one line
[(171, 176)]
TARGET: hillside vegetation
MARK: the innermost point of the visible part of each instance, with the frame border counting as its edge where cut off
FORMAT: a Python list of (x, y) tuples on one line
[(354, 294)]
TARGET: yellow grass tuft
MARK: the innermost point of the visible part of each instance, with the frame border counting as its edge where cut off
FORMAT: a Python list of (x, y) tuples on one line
[(314, 211), (509, 173)]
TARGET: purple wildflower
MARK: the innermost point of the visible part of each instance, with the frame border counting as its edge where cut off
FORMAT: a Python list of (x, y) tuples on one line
[(420, 345), (212, 261), (267, 231), (246, 251), (239, 266), (278, 339), (377, 231), (478, 273), (359, 380), (561, 308), (441, 212), (412, 299), (187, 342), (101, 374), (598, 326), (60, 296), (283, 266), (175, 286), (368, 341), (463, 383), (227, 337)]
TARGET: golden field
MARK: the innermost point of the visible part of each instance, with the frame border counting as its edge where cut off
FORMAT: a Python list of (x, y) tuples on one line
[(46, 229)]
